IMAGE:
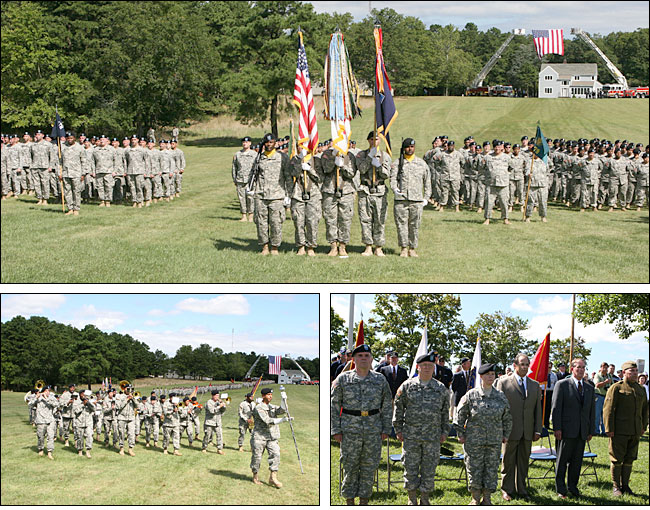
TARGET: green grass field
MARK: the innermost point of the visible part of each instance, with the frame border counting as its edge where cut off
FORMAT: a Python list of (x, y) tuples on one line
[(197, 238), (151, 478), (542, 491)]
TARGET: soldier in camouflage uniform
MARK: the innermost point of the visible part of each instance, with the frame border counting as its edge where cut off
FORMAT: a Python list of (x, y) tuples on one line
[(498, 181), (196, 422), (374, 169), (339, 187), (590, 170), (483, 423), (516, 167), (411, 185), (156, 413), (186, 424), (119, 180), (146, 415), (41, 167), (4, 169), (172, 424), (617, 179), (104, 157), (482, 177), (65, 404), (26, 183), (265, 436), (14, 168), (450, 175), (135, 169), (421, 422), (75, 167), (125, 406), (641, 182), (110, 420), (635, 160), (360, 419), (83, 411), (45, 404), (167, 166), (538, 193), (242, 164), (245, 413), (179, 160), (470, 174), (156, 173), (306, 208), (214, 409), (433, 169)]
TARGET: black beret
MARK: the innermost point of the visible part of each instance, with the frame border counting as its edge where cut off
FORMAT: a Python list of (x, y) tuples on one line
[(436, 138), (69, 133), (486, 143), (644, 155), (134, 136), (125, 138), (172, 394), (635, 151), (516, 146), (408, 142), (463, 360), (472, 144), (82, 134), (524, 138), (268, 137), (26, 133), (144, 398), (430, 357), (185, 398), (556, 140), (163, 397), (451, 142), (287, 138), (353, 142), (249, 394), (561, 364), (361, 348), (508, 144), (498, 142), (246, 139), (485, 368), (591, 149), (153, 397), (114, 139), (266, 391), (444, 137), (193, 399), (39, 131), (173, 140), (215, 392), (71, 385)]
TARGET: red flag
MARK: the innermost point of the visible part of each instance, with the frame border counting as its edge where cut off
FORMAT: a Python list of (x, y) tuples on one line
[(232, 381), (360, 341), (538, 370)]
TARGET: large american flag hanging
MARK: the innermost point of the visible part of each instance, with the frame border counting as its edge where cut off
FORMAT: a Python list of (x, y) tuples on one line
[(549, 41), (302, 97), (274, 364)]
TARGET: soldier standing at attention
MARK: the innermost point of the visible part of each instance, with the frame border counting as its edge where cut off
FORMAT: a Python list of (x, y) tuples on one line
[(26, 163), (75, 164), (483, 422), (245, 413), (272, 189), (641, 182), (450, 176), (360, 419), (625, 414), (242, 164), (421, 422), (482, 177), (265, 436), (104, 158), (45, 405), (167, 169), (41, 168), (617, 179), (433, 173), (374, 169), (411, 184), (497, 183), (590, 170), (306, 198), (538, 195), (135, 171), (179, 159), (516, 167), (156, 173), (214, 408)]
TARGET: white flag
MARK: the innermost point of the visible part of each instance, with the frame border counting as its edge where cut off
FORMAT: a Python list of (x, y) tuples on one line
[(422, 349), (476, 364)]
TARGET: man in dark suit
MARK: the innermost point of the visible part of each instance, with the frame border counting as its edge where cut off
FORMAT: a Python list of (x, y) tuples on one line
[(394, 374), (573, 412), (561, 371), (442, 373), (525, 398), (460, 380)]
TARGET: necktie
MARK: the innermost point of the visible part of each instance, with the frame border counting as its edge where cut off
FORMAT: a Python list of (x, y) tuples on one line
[(394, 373), (548, 381), (522, 387), (581, 391)]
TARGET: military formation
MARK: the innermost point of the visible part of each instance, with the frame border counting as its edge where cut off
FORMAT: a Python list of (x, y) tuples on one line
[(125, 415), (93, 169), (585, 174)]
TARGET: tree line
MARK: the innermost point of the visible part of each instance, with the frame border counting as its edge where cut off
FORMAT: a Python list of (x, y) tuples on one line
[(124, 66), (38, 348)]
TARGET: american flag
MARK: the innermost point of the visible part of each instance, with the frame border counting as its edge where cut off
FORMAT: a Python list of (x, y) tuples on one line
[(274, 364), (302, 97), (549, 41)]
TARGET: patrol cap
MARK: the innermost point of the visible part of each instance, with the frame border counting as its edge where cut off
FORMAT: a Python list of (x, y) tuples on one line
[(266, 391), (268, 137), (408, 142), (370, 135), (628, 364), (215, 392), (361, 348), (429, 357), (485, 368), (246, 139)]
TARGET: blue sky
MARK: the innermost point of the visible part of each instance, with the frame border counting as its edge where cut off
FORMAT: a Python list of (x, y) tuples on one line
[(265, 323), (540, 310), (593, 17)]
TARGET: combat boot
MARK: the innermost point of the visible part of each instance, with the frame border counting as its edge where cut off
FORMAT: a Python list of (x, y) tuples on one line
[(204, 451), (273, 480), (404, 252), (424, 499), (274, 250), (368, 252), (265, 249), (135, 204), (40, 453), (220, 452), (131, 452), (457, 208), (487, 221), (241, 448), (256, 480), (412, 253), (121, 451), (301, 250), (363, 501), (49, 456), (250, 217), (413, 498), (616, 480), (177, 453), (165, 452), (148, 445), (342, 252), (243, 217), (379, 252), (487, 498), (88, 454), (69, 213), (81, 453), (476, 497), (349, 501), (102, 204), (334, 250), (67, 443), (626, 471), (310, 252), (75, 212), (147, 203)]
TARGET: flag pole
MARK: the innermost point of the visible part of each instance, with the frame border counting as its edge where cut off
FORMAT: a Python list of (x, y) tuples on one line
[(58, 141), (573, 321), (351, 323), (530, 178)]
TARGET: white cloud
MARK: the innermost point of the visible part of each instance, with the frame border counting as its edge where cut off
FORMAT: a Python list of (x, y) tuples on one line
[(29, 304), (313, 326), (152, 323), (106, 320), (521, 305), (228, 304), (156, 312), (341, 304), (553, 304)]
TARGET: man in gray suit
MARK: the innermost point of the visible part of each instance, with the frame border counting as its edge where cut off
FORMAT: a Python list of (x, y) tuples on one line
[(525, 398), (573, 413)]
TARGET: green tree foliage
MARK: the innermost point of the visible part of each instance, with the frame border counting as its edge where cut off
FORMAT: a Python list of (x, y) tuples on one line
[(561, 349), (501, 339), (628, 312), (338, 331)]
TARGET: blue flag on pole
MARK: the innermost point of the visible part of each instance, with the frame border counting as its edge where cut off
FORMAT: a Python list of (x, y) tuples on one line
[(540, 149), (58, 131), (384, 103)]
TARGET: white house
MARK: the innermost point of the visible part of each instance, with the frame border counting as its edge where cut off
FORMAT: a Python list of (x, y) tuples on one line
[(568, 80), (291, 377)]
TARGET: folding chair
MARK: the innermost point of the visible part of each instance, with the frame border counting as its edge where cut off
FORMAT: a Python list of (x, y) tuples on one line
[(589, 455), (453, 458), (391, 460), (543, 457)]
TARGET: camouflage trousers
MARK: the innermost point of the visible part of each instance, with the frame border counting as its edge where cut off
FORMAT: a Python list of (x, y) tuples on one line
[(372, 215), (588, 195), (338, 217), (603, 192), (480, 194), (306, 216), (197, 426), (167, 184), (155, 425), (640, 195), (119, 188), (470, 191), (41, 179), (617, 190), (136, 182), (16, 175), (360, 457), (43, 430), (175, 434), (420, 459), (178, 182), (156, 181), (110, 426), (257, 448), (81, 433), (55, 184), (208, 432), (26, 180), (556, 187), (88, 187), (105, 183), (6, 182), (516, 190), (72, 189), (188, 428), (538, 197), (147, 188), (574, 196), (269, 216), (449, 192), (127, 432), (243, 428), (67, 424), (631, 188), (500, 194), (482, 464), (408, 216), (246, 201)]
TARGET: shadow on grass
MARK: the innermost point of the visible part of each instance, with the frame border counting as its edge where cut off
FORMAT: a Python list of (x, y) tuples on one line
[(230, 474), (218, 141)]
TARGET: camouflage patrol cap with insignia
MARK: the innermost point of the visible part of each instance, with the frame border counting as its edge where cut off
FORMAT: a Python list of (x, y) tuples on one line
[(361, 348)]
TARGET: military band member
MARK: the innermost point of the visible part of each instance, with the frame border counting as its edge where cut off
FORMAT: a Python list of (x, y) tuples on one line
[(242, 165), (172, 424), (110, 419), (186, 424), (411, 185), (146, 414), (66, 411), (497, 183), (125, 406), (360, 419), (196, 422), (421, 422), (306, 208), (83, 411), (156, 414), (245, 413), (45, 404), (41, 167), (214, 409), (265, 437)]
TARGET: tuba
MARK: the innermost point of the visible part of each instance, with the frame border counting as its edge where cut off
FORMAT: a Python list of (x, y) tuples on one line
[(39, 385), (124, 384)]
